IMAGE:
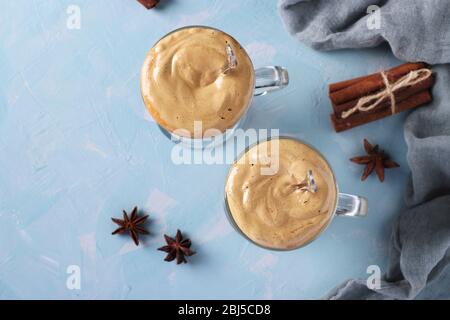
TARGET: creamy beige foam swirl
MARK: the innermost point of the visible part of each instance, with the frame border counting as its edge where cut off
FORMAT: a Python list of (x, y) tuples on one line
[(182, 81), (269, 209)]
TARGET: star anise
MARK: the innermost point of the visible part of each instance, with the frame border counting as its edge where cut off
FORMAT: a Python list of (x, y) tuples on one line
[(177, 248), (131, 224), (149, 3), (375, 159)]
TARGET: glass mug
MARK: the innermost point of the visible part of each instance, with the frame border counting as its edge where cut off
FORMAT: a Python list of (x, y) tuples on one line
[(266, 80), (346, 205)]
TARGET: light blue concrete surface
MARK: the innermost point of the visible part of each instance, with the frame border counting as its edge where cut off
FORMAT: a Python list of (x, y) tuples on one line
[(77, 146)]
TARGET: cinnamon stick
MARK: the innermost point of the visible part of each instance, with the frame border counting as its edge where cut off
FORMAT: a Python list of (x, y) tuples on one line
[(352, 89), (411, 102), (149, 4), (400, 96), (347, 83)]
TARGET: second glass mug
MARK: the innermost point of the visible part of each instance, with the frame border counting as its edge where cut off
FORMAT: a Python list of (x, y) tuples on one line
[(346, 205), (267, 79)]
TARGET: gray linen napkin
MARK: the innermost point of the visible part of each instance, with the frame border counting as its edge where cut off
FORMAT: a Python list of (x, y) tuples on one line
[(416, 30)]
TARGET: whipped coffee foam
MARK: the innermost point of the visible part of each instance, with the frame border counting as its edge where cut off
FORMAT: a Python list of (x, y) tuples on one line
[(270, 209), (182, 81)]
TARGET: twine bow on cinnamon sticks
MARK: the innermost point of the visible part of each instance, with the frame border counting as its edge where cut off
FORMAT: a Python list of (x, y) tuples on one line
[(412, 78), (366, 99)]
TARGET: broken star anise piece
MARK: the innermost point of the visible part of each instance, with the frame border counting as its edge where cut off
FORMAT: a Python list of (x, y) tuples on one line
[(375, 159), (149, 3), (131, 224), (177, 248)]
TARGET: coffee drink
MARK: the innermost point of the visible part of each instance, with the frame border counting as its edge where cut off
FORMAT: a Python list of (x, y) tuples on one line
[(278, 211), (184, 79)]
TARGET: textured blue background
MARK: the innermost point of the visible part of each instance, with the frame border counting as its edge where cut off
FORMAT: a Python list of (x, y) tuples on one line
[(77, 146)]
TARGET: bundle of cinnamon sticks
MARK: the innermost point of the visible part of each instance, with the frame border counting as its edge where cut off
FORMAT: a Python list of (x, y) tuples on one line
[(362, 100)]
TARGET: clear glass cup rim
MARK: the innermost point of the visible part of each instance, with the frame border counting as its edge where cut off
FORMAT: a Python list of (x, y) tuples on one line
[(230, 215)]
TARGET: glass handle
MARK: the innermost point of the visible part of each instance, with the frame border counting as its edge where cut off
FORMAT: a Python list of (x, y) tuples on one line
[(351, 206), (270, 79)]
